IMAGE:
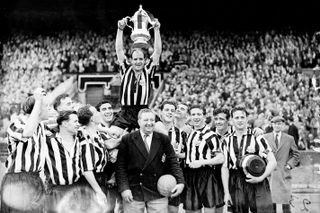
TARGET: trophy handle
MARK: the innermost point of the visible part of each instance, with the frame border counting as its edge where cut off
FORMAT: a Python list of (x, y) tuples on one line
[(150, 27), (128, 18), (151, 22)]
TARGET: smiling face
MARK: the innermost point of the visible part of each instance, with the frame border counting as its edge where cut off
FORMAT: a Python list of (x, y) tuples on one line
[(167, 113), (106, 112), (240, 120), (138, 61), (221, 122), (146, 122), (182, 111), (198, 118)]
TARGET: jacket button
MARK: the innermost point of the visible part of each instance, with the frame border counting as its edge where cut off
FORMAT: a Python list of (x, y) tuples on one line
[(140, 184), (141, 174)]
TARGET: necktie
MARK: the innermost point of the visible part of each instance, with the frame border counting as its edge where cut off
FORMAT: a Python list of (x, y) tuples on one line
[(277, 141), (145, 142)]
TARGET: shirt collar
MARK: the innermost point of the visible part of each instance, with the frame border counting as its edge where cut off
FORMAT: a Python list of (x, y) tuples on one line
[(142, 134), (275, 134)]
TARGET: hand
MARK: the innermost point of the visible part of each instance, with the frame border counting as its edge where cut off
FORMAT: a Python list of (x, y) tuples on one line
[(113, 155), (252, 179), (127, 196), (122, 23), (112, 180), (177, 190), (101, 198), (156, 24), (195, 164), (227, 198), (288, 167), (258, 131), (39, 93)]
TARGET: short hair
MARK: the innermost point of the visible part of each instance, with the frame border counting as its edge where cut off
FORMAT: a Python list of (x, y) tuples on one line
[(143, 50), (58, 99), (239, 108), (101, 103), (64, 116), (223, 111), (28, 105), (84, 114), (198, 107), (173, 103), (145, 110)]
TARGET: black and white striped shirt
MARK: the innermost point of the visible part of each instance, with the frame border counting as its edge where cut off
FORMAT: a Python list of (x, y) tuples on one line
[(202, 145), (178, 139), (136, 92), (94, 155), (235, 148), (61, 166), (25, 153)]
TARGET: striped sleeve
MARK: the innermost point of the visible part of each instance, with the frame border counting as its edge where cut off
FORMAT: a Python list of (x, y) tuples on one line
[(263, 146), (87, 153), (225, 152), (213, 143), (15, 132)]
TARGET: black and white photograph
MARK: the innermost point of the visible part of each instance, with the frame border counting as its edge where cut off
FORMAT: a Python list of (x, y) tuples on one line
[(159, 106)]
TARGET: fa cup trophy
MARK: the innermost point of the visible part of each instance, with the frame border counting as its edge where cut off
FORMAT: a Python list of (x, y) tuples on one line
[(140, 32)]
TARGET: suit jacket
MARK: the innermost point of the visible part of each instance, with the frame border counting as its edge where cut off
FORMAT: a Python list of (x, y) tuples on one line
[(139, 171), (286, 153)]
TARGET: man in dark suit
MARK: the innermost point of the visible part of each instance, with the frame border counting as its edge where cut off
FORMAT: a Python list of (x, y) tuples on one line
[(143, 157)]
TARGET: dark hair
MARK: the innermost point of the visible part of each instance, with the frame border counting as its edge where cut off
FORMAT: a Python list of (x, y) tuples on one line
[(239, 108), (198, 107), (64, 116), (223, 111), (58, 99), (101, 103), (84, 114), (28, 105), (169, 103)]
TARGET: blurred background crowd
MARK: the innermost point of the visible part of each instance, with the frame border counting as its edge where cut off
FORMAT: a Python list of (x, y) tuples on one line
[(261, 68)]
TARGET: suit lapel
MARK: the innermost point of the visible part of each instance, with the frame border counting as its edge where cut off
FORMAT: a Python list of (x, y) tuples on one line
[(137, 139), (155, 144), (272, 142), (282, 140)]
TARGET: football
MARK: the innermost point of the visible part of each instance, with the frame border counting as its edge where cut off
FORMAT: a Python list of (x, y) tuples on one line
[(165, 184)]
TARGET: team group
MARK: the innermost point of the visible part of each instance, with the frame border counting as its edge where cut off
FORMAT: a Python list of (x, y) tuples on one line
[(90, 154)]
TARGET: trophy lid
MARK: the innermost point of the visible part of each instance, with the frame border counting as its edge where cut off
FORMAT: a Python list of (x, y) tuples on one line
[(253, 164)]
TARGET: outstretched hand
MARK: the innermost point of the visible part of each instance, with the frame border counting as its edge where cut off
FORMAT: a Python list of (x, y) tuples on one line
[(156, 23), (177, 190), (122, 23)]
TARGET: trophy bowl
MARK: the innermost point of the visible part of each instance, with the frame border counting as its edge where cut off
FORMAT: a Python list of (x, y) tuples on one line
[(140, 32)]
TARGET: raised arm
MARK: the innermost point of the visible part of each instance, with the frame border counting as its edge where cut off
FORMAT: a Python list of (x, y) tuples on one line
[(34, 118), (157, 46), (119, 41)]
